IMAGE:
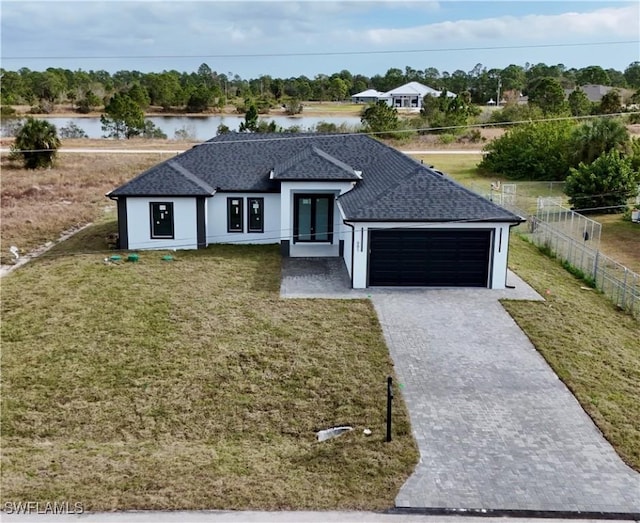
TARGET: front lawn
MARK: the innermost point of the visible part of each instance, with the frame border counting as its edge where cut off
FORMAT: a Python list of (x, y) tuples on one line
[(189, 384), (592, 346)]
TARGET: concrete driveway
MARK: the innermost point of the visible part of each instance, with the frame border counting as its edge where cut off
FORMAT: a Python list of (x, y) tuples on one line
[(496, 428)]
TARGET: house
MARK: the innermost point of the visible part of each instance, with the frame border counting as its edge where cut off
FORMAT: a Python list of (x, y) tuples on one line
[(393, 220), (370, 96), (594, 92), (408, 96)]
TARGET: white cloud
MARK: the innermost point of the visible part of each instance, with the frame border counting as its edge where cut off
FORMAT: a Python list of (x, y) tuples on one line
[(606, 24)]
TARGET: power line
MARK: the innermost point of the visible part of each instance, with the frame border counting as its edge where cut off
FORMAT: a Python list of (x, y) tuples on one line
[(323, 53)]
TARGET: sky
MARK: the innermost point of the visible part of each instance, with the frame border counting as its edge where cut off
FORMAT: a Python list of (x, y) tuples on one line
[(293, 38)]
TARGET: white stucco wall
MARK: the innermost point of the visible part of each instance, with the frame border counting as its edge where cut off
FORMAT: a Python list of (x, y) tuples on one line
[(217, 219), (184, 224), (497, 264)]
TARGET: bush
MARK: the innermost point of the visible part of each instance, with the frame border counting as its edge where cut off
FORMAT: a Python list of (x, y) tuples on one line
[(186, 132), (447, 138), (7, 111), (151, 130), (222, 129), (293, 106), (604, 185), (36, 143), (535, 151), (472, 136), (41, 108), (72, 130), (516, 113)]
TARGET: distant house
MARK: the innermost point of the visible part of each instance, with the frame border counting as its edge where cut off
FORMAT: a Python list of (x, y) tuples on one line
[(394, 221), (370, 96), (594, 92), (408, 96)]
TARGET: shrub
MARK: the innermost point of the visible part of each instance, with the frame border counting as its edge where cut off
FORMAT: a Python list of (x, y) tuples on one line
[(151, 130), (72, 130), (36, 143), (186, 132), (7, 111), (604, 185), (516, 113), (293, 106), (534, 151), (222, 129)]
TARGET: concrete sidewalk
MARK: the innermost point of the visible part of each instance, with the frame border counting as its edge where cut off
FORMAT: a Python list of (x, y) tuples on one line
[(214, 516)]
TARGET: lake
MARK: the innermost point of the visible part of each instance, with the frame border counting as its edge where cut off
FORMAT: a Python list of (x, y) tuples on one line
[(204, 127)]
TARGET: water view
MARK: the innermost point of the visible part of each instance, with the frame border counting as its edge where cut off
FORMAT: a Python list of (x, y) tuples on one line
[(205, 127)]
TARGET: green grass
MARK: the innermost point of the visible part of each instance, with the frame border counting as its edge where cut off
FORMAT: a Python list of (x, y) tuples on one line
[(463, 169), (190, 385), (592, 346)]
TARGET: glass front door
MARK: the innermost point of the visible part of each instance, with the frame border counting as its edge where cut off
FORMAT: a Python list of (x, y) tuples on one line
[(313, 218)]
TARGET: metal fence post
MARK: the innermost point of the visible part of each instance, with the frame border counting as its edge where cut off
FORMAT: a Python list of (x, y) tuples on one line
[(389, 401)]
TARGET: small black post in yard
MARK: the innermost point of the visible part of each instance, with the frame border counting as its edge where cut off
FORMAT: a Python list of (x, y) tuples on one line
[(389, 400)]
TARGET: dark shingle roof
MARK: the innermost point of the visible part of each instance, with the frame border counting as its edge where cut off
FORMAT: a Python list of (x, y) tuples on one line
[(393, 186), (313, 163), (168, 178)]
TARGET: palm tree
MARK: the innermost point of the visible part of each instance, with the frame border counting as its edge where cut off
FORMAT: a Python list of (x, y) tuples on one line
[(593, 139), (36, 143)]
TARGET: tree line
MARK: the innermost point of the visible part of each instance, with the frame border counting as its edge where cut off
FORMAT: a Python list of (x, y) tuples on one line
[(207, 89)]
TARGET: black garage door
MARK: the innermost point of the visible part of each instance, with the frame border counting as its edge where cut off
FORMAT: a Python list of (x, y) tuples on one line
[(429, 258)]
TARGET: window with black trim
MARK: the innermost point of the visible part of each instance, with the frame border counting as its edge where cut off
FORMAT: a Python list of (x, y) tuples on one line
[(161, 214), (255, 212), (234, 215)]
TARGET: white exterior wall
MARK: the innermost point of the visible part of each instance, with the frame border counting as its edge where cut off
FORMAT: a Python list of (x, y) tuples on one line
[(217, 219), (497, 263), (346, 235), (184, 224)]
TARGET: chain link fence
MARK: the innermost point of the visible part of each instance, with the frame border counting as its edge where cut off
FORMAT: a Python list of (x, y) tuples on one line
[(620, 284), (568, 235)]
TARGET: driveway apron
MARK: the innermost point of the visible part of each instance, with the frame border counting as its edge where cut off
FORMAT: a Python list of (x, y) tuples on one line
[(495, 426)]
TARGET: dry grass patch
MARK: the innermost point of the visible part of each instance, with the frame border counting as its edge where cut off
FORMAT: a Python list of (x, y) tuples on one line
[(37, 205), (620, 240), (591, 345), (190, 385)]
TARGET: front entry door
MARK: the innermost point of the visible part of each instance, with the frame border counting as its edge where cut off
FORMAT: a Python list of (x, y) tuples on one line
[(313, 218)]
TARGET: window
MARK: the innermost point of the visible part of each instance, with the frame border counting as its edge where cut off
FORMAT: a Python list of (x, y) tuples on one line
[(255, 213), (161, 220), (234, 215)]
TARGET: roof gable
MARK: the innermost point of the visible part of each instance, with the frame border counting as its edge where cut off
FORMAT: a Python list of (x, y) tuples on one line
[(413, 88), (369, 93), (312, 163), (168, 178)]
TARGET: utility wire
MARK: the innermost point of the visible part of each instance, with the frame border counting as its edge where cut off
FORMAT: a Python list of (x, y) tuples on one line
[(322, 53)]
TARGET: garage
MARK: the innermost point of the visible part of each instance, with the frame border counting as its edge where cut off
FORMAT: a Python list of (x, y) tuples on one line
[(429, 257)]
